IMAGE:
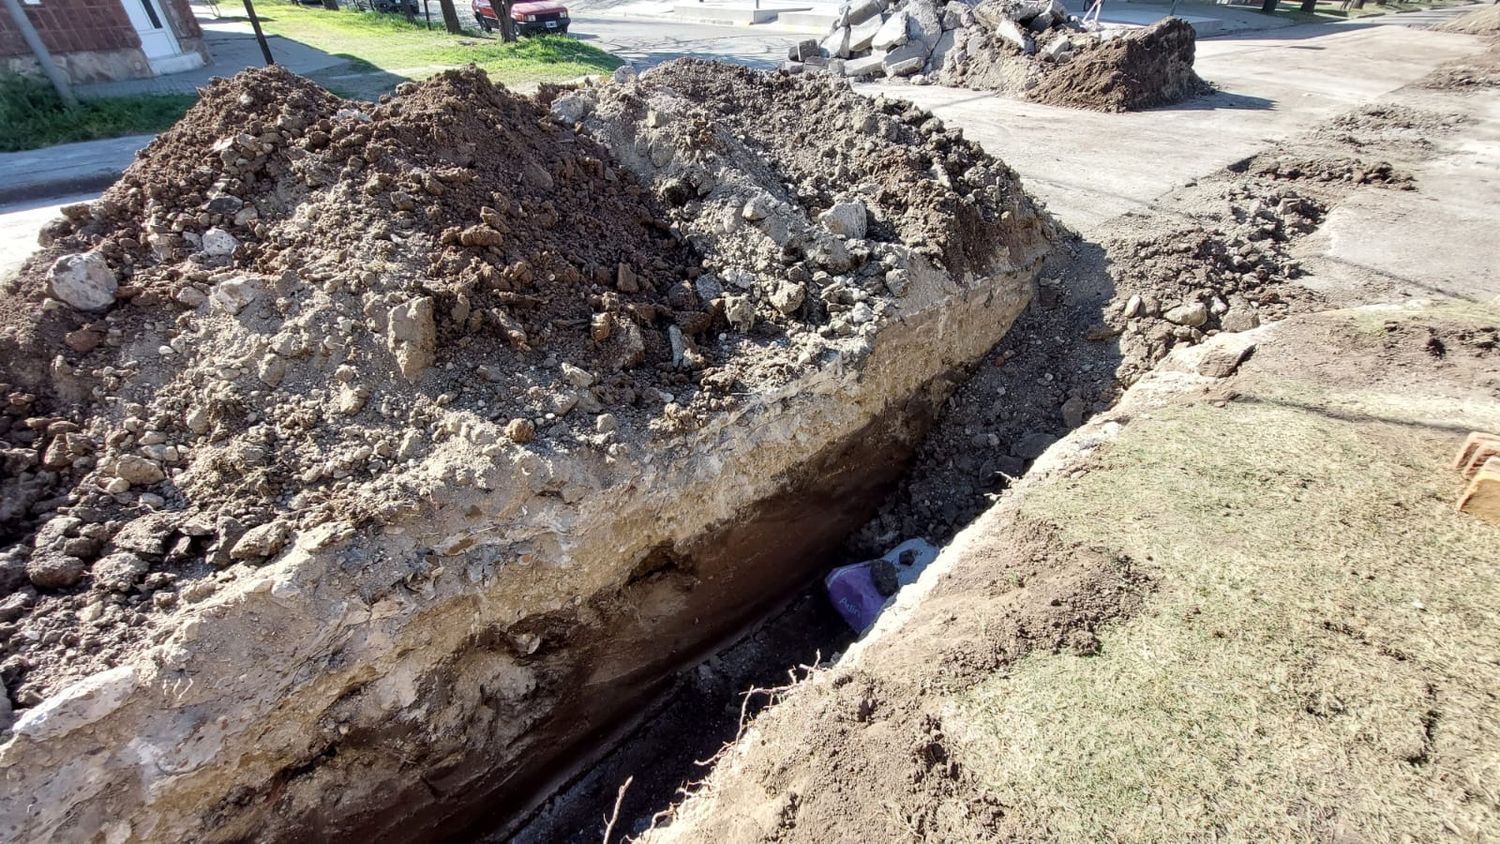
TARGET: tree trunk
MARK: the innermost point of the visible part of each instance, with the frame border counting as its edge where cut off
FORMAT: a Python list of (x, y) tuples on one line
[(450, 17), (507, 23), (1309, 6), (1268, 6), (331, 5)]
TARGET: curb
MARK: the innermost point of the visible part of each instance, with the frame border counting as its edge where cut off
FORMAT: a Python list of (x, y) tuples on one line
[(57, 188)]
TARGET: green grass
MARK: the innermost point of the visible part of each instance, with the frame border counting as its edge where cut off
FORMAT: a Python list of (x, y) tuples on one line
[(384, 49), (1318, 661), (32, 115)]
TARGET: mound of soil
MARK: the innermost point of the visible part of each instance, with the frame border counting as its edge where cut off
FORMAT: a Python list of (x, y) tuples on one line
[(290, 302), (1133, 70), (1482, 21), (1141, 69)]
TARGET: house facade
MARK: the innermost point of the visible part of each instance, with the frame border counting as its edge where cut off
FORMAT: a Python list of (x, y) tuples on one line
[(99, 40)]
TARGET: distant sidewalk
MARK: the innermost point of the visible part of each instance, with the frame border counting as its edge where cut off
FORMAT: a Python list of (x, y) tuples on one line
[(231, 44), (66, 168)]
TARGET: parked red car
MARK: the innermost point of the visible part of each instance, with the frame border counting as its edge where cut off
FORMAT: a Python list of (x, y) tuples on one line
[(534, 17)]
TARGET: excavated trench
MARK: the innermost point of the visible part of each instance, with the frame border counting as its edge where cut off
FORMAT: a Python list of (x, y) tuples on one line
[(451, 642), (743, 593), (660, 746)]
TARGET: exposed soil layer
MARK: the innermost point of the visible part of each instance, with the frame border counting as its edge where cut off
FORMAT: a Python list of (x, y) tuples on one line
[(1029, 594), (903, 716), (1133, 70), (1229, 237), (314, 295), (389, 455)]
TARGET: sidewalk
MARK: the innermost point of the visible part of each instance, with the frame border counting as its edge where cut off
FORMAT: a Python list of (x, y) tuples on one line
[(231, 44)]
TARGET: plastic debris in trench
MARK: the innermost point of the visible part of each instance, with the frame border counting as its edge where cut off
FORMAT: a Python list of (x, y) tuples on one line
[(862, 590)]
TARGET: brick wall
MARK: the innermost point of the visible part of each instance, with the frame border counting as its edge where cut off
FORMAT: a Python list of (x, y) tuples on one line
[(183, 22), (70, 26)]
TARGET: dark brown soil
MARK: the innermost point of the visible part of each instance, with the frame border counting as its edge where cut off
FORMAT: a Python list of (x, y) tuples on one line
[(1142, 69)]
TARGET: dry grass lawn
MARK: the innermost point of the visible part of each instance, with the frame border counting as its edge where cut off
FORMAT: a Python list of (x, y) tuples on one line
[(1321, 659)]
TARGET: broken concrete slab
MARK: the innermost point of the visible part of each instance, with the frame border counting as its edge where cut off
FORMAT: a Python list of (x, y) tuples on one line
[(836, 45), (940, 52), (892, 33), (865, 66), (862, 35), (863, 10), (907, 59), (924, 22)]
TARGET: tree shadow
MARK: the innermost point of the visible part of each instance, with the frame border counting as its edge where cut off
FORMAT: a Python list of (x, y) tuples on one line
[(1220, 101)]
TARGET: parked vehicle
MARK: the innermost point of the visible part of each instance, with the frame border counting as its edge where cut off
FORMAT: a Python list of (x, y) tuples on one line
[(397, 7), (534, 17)]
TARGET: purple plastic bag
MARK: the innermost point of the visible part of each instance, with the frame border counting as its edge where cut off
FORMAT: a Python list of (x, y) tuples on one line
[(852, 590)]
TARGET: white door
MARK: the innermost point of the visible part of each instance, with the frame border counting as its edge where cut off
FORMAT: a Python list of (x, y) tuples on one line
[(150, 22)]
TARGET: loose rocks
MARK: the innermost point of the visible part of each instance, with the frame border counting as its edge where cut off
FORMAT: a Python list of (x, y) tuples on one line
[(84, 281), (1033, 49)]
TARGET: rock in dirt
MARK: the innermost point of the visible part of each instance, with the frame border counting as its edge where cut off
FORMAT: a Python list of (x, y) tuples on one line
[(136, 470), (1191, 314), (412, 336), (83, 281), (258, 543), (119, 572), (1224, 362), (54, 571)]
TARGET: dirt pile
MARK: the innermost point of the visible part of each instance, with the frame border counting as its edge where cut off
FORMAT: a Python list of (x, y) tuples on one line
[(1138, 69), (1033, 49), (358, 434), (311, 295), (1483, 21)]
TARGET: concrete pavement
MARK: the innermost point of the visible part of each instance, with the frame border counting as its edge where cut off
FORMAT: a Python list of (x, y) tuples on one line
[(1091, 166)]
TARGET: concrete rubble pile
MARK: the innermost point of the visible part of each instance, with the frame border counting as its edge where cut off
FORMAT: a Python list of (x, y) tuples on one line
[(919, 39), (363, 460), (1033, 49)]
